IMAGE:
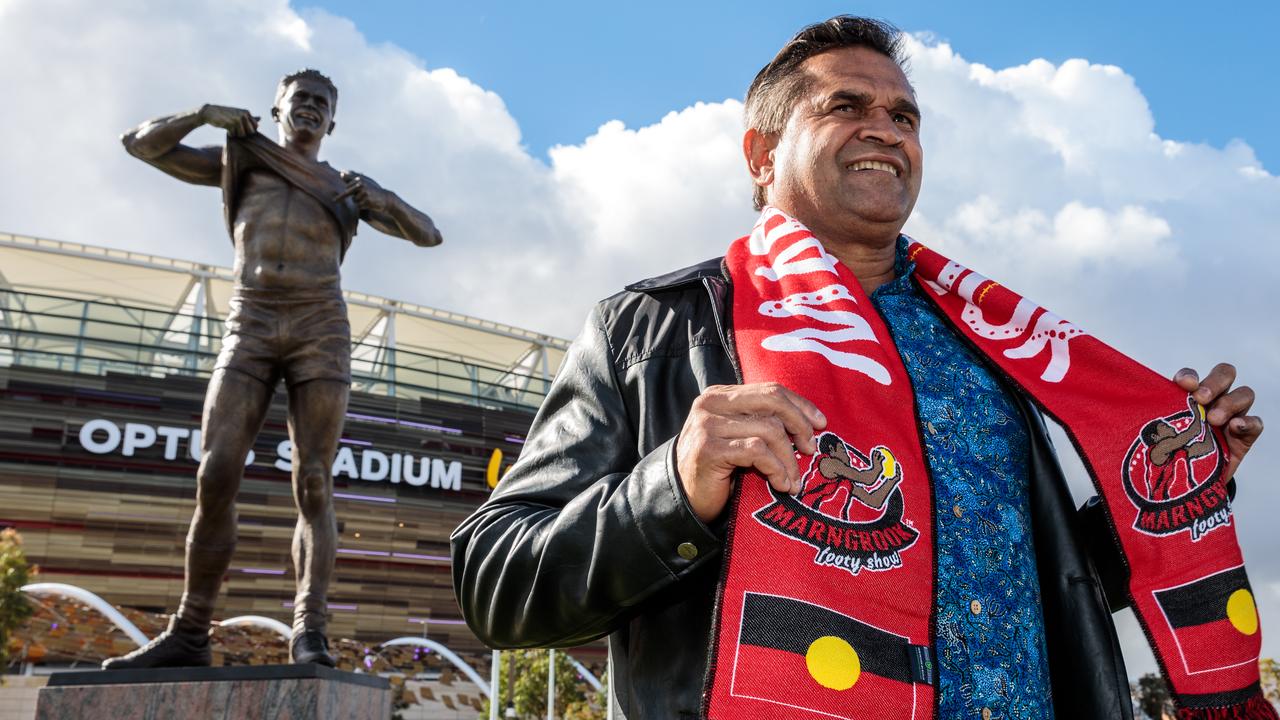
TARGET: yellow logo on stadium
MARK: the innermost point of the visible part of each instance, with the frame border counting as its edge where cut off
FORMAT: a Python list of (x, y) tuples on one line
[(494, 472)]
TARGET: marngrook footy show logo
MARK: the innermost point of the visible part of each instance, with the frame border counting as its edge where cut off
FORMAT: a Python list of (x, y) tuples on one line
[(1173, 474), (849, 508)]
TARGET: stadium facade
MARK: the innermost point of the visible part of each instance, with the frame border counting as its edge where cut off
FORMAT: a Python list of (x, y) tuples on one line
[(104, 357)]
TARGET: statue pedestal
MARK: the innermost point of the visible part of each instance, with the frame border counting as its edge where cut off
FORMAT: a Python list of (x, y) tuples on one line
[(292, 692)]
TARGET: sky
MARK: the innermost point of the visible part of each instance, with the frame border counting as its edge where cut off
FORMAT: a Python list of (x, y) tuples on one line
[(565, 68), (1118, 166)]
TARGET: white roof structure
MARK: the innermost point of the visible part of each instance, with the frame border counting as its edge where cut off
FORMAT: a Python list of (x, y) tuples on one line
[(95, 309)]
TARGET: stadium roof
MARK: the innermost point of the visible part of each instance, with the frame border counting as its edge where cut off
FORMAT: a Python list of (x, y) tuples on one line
[(388, 334)]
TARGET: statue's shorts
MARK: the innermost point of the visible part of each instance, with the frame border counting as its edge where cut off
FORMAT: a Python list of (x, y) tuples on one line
[(298, 336)]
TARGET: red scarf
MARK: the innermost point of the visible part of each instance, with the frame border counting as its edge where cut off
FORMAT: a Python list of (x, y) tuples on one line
[(826, 604)]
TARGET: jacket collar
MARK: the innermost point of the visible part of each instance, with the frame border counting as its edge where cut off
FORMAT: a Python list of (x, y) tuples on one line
[(685, 276)]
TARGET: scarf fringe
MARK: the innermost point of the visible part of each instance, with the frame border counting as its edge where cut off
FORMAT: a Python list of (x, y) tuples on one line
[(1255, 708)]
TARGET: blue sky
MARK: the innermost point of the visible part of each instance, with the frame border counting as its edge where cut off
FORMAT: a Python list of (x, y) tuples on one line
[(564, 68)]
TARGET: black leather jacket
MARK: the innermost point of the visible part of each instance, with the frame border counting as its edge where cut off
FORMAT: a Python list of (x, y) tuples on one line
[(590, 534)]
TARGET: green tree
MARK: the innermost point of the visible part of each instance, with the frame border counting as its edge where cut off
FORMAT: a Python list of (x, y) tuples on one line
[(574, 699), (14, 573), (1269, 669), (1152, 696)]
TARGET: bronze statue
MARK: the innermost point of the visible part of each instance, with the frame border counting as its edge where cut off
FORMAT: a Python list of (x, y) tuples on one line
[(291, 219)]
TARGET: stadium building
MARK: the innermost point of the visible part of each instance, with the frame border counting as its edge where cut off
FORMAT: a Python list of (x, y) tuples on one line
[(104, 358)]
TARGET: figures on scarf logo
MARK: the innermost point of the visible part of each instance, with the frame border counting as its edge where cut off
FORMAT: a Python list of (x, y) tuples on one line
[(849, 508), (1173, 475), (832, 470), (1050, 330)]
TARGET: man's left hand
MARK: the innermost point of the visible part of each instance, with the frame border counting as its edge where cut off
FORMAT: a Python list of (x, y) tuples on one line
[(1224, 408), (368, 194)]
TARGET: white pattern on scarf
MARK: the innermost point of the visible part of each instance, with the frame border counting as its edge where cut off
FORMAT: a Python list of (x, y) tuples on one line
[(811, 339), (1049, 330)]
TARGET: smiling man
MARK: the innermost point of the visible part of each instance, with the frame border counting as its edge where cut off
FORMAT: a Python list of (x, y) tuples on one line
[(664, 437), (291, 219)]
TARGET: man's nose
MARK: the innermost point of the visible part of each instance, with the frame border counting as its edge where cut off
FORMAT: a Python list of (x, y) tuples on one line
[(878, 127)]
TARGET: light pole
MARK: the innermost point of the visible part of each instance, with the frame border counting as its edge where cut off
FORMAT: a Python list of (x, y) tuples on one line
[(511, 687), (608, 686), (551, 684), (493, 685)]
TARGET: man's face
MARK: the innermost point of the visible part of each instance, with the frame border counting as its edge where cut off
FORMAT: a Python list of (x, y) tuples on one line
[(306, 110), (849, 159)]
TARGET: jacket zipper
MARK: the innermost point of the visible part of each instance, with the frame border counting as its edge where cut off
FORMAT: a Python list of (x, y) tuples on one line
[(716, 290)]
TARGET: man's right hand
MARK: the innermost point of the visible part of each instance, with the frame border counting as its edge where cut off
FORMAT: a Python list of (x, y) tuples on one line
[(235, 121), (757, 426)]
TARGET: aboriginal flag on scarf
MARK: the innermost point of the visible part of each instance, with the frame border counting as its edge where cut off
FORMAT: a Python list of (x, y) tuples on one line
[(1209, 612), (825, 604), (803, 656)]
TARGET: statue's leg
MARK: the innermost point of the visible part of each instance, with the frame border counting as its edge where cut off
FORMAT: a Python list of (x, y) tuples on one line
[(234, 408), (317, 409)]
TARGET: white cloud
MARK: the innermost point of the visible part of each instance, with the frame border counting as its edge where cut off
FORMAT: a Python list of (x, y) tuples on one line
[(643, 197), (1051, 178), (1076, 236)]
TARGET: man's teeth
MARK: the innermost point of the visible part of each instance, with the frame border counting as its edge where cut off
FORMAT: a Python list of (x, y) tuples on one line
[(875, 165)]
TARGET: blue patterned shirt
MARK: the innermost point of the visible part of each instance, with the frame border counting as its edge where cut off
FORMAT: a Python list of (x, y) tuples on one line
[(990, 644)]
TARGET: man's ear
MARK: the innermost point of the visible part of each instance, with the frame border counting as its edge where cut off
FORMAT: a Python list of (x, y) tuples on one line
[(275, 113), (758, 148), (332, 125)]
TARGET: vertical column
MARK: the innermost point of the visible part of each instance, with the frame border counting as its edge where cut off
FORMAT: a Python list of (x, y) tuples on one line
[(551, 684), (493, 685), (389, 353), (197, 328), (84, 327), (546, 372), (608, 687)]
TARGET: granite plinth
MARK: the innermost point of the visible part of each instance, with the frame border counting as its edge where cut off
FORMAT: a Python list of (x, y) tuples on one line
[(271, 692)]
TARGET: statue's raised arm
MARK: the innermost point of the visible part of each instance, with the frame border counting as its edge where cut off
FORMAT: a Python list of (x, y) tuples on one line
[(159, 142)]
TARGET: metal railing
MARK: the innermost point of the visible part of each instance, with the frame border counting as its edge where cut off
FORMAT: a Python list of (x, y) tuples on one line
[(98, 337)]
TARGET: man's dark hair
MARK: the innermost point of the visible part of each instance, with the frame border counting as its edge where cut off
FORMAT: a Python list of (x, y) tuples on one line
[(780, 83), (308, 74)]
